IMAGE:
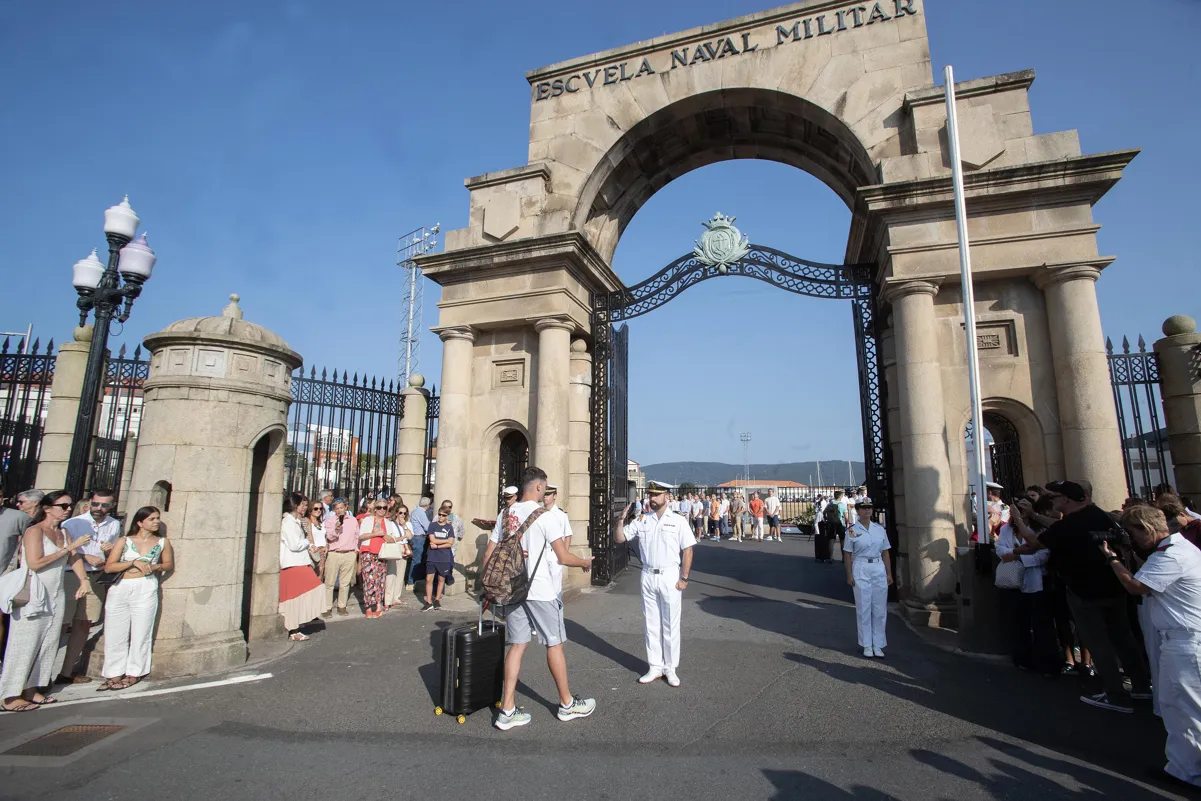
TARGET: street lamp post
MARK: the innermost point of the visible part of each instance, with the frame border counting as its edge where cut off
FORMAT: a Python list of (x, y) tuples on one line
[(102, 289)]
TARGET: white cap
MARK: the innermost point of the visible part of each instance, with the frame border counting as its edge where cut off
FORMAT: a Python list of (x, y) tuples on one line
[(510, 490), (993, 485), (551, 487)]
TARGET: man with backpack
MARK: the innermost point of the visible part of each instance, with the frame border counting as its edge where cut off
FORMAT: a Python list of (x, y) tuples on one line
[(527, 578)]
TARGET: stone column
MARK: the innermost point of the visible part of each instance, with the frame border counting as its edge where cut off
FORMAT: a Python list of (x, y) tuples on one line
[(65, 391), (552, 427), (454, 416), (1092, 448), (131, 453), (410, 446), (888, 354), (929, 517), (578, 489), (1179, 355)]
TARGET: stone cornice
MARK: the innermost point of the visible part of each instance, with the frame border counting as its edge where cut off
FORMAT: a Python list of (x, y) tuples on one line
[(450, 332), (164, 339), (513, 175), (252, 390), (570, 249), (899, 289), (963, 89), (1089, 271), (558, 321)]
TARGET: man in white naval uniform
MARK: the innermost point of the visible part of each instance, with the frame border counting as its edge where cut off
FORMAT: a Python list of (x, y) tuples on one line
[(665, 544), (510, 494), (551, 501)]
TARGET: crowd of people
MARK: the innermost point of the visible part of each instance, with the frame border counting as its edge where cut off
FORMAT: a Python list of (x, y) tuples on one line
[(714, 515)]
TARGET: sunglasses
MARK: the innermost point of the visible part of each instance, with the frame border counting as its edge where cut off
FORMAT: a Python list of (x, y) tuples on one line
[(102, 505), (63, 506)]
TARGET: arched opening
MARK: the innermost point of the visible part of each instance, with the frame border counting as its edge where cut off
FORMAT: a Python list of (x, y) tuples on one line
[(514, 458), (1003, 453), (160, 496), (258, 468)]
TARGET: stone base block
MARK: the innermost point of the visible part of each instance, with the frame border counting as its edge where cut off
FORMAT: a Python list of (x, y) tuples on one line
[(191, 656), (267, 627), (936, 614)]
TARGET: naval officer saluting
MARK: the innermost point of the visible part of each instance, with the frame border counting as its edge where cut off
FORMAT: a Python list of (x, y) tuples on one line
[(869, 571), (665, 545)]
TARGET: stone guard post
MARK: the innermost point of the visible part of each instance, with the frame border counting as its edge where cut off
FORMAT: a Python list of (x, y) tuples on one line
[(1179, 355), (211, 456), (65, 391)]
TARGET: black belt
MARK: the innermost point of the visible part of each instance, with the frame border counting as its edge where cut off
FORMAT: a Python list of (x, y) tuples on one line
[(657, 571)]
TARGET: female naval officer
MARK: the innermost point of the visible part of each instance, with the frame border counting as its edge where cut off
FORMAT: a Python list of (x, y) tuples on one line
[(869, 571)]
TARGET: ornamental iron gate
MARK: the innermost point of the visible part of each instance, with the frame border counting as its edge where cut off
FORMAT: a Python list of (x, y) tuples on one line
[(25, 377), (608, 458), (1138, 398), (119, 417), (1004, 453)]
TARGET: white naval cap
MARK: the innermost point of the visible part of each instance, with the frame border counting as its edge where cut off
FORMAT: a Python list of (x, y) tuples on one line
[(510, 491)]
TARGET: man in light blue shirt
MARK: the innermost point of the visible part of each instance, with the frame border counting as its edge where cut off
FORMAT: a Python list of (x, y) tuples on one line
[(420, 520), (686, 507)]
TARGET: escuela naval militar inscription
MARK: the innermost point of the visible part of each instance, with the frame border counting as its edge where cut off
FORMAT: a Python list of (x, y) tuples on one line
[(799, 30)]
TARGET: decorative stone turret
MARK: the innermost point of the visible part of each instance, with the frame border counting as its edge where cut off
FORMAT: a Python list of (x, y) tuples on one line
[(211, 457), (1179, 357)]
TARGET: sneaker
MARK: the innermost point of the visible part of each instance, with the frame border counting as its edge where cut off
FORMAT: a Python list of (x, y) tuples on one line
[(508, 720), (1143, 696), (1089, 671), (327, 615), (654, 674), (343, 611), (425, 607), (878, 652), (1101, 700), (437, 604), (1068, 669), (409, 587), (868, 653), (672, 678), (580, 708)]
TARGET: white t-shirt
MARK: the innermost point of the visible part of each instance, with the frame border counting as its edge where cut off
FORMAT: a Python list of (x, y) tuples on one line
[(318, 534), (547, 583), (1173, 572), (772, 505)]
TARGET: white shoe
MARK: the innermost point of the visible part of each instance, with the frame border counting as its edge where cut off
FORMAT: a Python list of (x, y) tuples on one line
[(672, 678), (868, 653), (653, 674), (878, 652)]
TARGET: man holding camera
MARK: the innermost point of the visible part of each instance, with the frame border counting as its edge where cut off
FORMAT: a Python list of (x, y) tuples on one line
[(1096, 598)]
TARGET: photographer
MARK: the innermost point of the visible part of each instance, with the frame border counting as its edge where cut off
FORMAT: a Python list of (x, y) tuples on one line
[(1172, 577), (1097, 600)]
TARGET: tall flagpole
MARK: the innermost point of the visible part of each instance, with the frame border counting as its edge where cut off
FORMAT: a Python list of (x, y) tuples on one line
[(969, 309)]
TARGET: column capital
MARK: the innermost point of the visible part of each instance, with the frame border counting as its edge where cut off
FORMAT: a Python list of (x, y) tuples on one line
[(1063, 273), (557, 321), (455, 332), (899, 289)]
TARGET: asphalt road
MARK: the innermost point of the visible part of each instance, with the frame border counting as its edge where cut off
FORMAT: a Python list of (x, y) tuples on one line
[(776, 703)]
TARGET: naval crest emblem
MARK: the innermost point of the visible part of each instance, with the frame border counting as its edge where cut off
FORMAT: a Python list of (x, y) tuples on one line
[(722, 244)]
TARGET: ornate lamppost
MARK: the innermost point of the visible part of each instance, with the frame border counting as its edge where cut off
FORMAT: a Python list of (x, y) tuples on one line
[(102, 289)]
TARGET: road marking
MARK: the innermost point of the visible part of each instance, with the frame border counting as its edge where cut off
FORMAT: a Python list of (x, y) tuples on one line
[(166, 690)]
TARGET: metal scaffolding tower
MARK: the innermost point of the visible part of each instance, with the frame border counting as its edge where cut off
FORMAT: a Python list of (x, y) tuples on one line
[(745, 436), (415, 243)]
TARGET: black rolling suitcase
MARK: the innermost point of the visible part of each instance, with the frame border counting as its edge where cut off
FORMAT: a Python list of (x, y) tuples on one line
[(473, 667), (821, 544)]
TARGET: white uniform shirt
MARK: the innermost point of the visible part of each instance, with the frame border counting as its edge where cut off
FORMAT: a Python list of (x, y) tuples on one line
[(1032, 578), (772, 505), (1173, 572), (662, 538), (866, 543), (547, 583), (564, 520), (107, 530)]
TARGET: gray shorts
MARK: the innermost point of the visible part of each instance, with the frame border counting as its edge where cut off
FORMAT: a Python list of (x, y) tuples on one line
[(545, 618)]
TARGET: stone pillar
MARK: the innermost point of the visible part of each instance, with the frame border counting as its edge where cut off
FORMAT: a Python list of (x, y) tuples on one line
[(410, 446), (63, 409), (1092, 448), (929, 517), (131, 454), (214, 421), (888, 357), (454, 415), (1179, 356), (578, 482), (552, 427)]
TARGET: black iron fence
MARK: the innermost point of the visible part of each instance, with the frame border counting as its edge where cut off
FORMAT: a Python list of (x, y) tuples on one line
[(342, 435), (1139, 402), (25, 378), (431, 442), (119, 417)]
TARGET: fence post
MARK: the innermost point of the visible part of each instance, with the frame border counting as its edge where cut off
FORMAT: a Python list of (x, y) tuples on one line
[(1179, 356), (410, 448), (65, 393), (131, 450)]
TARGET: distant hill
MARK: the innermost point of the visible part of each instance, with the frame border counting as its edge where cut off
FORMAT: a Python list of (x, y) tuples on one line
[(713, 473)]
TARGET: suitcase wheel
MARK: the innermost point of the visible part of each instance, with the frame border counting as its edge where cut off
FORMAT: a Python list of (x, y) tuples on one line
[(461, 718), (497, 705), (437, 710)]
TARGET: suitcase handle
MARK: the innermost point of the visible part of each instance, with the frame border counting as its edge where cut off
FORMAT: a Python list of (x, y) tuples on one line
[(480, 626)]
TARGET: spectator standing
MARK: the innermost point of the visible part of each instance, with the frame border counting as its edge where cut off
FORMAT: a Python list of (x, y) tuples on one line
[(756, 506), (772, 508), (88, 610), (1179, 519), (373, 570), (342, 545), (1095, 596), (542, 610), (421, 523), (36, 627), (13, 523), (737, 508), (725, 515), (685, 509), (394, 581), (327, 504), (301, 595), (715, 518), (315, 532), (439, 559), (1031, 629), (1172, 576)]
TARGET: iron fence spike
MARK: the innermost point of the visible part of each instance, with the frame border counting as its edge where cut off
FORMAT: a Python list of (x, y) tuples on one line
[(4, 347), (50, 347), (1142, 345), (36, 344), (1109, 346), (1125, 344), (137, 353), (322, 373), (121, 352)]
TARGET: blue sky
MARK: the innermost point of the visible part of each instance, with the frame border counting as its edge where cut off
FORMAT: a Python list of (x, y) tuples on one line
[(277, 150)]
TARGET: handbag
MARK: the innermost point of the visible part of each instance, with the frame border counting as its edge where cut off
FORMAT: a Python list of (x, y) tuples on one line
[(1009, 575)]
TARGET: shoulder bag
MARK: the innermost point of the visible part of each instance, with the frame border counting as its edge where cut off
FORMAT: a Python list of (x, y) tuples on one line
[(1009, 575)]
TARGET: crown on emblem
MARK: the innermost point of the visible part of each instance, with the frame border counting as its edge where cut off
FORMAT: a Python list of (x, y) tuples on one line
[(722, 244), (719, 221)]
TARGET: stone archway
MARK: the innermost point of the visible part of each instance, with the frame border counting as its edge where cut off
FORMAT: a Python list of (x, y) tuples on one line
[(847, 94)]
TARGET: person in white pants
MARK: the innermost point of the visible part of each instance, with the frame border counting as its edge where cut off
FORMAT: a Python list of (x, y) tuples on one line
[(665, 543), (869, 571), (1172, 576), (132, 604)]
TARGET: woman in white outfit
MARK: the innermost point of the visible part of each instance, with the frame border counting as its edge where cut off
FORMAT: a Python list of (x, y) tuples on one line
[(132, 603), (35, 629), (869, 571), (403, 534)]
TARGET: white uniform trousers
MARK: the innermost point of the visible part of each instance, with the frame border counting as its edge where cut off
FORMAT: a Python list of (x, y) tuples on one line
[(1151, 642), (661, 608), (1179, 694), (871, 601), (129, 613)]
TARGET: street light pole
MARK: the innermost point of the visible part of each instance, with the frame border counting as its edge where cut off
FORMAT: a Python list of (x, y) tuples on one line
[(100, 289)]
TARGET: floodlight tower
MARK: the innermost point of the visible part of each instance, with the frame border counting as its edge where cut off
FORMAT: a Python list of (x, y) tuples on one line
[(745, 436), (415, 243)]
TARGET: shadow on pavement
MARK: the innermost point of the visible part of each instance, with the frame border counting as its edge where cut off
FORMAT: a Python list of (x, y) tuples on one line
[(793, 784)]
